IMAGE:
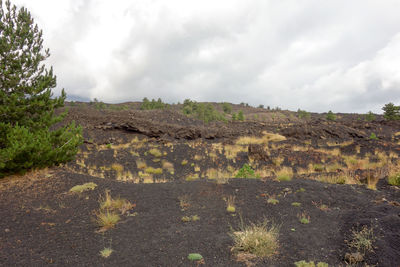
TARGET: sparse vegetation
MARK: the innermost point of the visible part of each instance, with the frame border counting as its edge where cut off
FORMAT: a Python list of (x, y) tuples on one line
[(373, 136), (193, 218), (296, 204), (155, 152), (260, 239), (106, 252), (227, 108), (202, 111), (240, 115), (230, 204), (246, 172), (153, 104), (330, 116), (362, 240), (370, 116), (272, 201), (302, 114), (304, 218), (83, 187), (284, 174)]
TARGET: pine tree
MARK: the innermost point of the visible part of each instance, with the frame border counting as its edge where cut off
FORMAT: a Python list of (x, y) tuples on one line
[(29, 136), (391, 112)]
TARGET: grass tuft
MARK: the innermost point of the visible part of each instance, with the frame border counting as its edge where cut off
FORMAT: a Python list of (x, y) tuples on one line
[(83, 187), (106, 252), (257, 239)]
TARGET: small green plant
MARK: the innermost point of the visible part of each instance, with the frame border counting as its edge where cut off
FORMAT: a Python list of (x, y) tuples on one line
[(246, 172), (296, 204), (195, 257), (304, 218), (272, 201), (304, 263), (109, 146), (330, 116), (300, 190), (184, 162), (394, 179), (373, 136), (260, 240), (106, 252), (83, 187)]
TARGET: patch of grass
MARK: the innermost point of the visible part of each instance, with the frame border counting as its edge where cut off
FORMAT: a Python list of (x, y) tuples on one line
[(193, 218), (304, 263), (192, 177), (231, 151), (320, 206), (184, 162), (106, 252), (107, 219), (272, 201), (304, 218), (117, 167), (260, 240), (284, 174), (265, 139), (296, 204), (394, 179), (141, 164), (333, 167), (300, 190), (362, 240), (83, 187), (115, 204), (151, 170), (278, 161), (318, 167), (155, 152), (195, 257)]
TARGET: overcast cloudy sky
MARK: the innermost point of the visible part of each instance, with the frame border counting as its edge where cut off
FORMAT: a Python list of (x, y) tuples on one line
[(315, 55)]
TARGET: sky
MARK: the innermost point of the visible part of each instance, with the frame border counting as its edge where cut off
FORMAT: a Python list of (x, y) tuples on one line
[(314, 55)]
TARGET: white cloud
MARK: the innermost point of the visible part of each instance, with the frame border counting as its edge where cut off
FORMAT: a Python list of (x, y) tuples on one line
[(314, 55)]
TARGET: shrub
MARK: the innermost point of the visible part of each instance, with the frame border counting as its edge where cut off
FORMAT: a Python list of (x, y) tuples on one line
[(310, 264), (227, 108), (362, 240), (246, 172), (83, 187), (106, 252), (28, 138), (202, 111), (373, 136), (330, 116), (240, 116), (302, 114), (394, 179), (153, 104), (391, 112), (370, 116), (257, 239)]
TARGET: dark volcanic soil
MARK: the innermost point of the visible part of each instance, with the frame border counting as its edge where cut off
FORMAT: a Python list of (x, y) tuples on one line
[(42, 223)]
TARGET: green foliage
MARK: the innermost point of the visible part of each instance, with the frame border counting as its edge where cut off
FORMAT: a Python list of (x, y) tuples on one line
[(234, 116), (202, 111), (153, 104), (373, 136), (394, 179), (260, 106), (227, 108), (370, 116), (246, 172), (240, 115), (330, 116), (195, 257), (302, 114), (391, 112), (27, 136), (98, 104)]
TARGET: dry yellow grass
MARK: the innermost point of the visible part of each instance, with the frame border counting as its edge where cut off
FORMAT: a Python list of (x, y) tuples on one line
[(117, 167), (231, 151), (264, 139), (155, 152), (278, 161), (334, 152), (141, 164), (300, 148), (284, 174)]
